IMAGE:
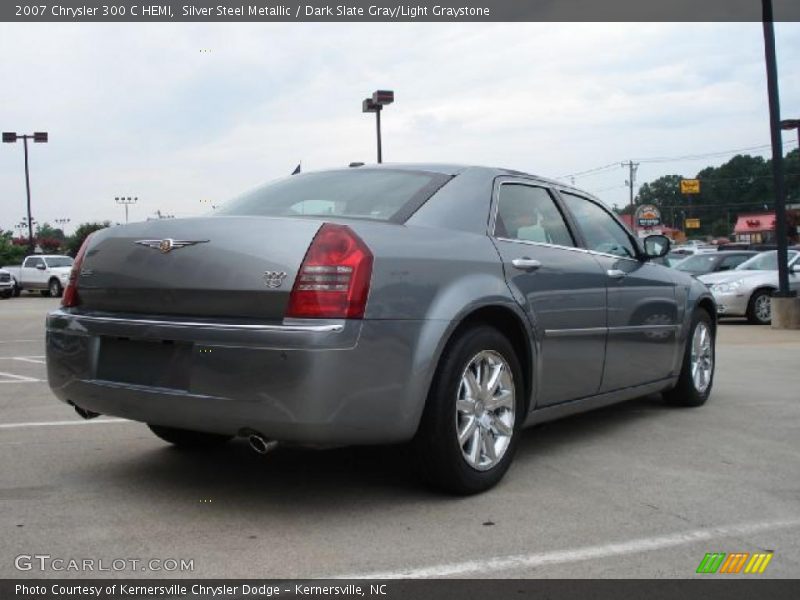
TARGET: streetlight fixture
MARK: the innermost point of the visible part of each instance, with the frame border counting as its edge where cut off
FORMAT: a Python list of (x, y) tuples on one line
[(126, 202), (790, 124), (380, 98), (38, 137)]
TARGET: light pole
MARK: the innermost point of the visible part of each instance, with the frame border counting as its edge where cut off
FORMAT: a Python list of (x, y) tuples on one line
[(380, 98), (38, 137), (126, 202), (777, 150)]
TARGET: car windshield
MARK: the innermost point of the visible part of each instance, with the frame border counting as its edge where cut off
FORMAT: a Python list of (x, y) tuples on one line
[(766, 261), (382, 194), (59, 261), (698, 262)]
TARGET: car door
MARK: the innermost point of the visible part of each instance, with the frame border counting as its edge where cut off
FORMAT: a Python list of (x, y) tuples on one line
[(561, 287), (32, 276), (643, 316), (794, 277)]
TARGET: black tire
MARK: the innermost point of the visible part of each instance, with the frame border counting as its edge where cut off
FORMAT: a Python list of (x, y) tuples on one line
[(7, 293), (17, 290), (686, 392), (54, 288), (754, 314), (435, 445), (185, 438)]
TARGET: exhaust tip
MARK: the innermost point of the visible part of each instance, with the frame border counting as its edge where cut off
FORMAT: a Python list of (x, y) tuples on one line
[(260, 444), (85, 414)]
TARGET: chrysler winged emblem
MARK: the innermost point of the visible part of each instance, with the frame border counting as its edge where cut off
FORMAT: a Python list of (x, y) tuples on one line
[(168, 244), (274, 279)]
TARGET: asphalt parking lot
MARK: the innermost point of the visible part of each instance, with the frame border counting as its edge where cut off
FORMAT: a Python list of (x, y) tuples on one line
[(635, 490)]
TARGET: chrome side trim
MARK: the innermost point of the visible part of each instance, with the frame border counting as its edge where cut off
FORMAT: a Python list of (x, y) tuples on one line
[(640, 328), (207, 325), (551, 333)]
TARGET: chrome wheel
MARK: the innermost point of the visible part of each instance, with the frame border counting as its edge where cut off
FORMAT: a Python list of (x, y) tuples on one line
[(55, 288), (702, 359), (485, 409), (762, 308)]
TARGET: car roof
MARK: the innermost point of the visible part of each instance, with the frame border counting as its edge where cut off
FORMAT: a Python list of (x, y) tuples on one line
[(456, 169)]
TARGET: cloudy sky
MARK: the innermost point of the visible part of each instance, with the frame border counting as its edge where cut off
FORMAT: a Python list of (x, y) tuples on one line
[(182, 115)]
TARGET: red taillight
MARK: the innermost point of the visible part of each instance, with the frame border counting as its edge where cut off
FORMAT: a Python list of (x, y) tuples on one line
[(333, 281), (70, 297)]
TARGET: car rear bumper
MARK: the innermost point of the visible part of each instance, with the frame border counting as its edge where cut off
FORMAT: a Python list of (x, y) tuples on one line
[(332, 382)]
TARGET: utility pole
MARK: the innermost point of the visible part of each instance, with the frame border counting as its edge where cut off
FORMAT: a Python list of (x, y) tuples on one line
[(126, 202), (632, 168)]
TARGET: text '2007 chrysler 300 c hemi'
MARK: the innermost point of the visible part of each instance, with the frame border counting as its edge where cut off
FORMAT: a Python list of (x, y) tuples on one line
[(439, 305)]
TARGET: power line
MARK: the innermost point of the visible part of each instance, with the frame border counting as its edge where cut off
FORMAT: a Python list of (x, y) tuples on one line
[(659, 159)]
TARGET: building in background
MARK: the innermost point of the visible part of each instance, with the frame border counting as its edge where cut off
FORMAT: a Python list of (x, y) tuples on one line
[(755, 228)]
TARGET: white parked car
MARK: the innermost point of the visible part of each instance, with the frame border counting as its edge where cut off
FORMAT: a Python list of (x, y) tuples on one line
[(746, 290), (48, 273), (6, 284)]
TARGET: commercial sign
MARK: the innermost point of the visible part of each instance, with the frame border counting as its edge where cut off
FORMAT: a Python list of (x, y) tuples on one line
[(648, 215), (692, 224), (690, 186)]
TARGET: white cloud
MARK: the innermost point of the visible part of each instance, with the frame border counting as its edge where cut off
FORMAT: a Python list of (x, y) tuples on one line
[(138, 109)]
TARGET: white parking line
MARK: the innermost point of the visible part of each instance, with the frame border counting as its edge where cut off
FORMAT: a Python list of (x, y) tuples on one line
[(519, 561), (19, 341), (59, 423), (17, 378), (30, 359)]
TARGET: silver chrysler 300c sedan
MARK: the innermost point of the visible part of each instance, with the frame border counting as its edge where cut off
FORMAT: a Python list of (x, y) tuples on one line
[(439, 305)]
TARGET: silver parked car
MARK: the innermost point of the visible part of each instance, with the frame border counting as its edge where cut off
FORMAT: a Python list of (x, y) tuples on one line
[(445, 306), (746, 290)]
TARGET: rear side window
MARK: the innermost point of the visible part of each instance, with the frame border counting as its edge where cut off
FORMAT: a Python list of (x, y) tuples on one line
[(383, 194), (730, 262), (530, 214), (601, 232)]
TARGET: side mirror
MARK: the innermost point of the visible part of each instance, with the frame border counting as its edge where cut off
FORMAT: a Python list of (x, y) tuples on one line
[(795, 269), (724, 268), (656, 246), (41, 267)]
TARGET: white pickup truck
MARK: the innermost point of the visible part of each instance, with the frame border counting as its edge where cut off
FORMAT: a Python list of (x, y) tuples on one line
[(47, 273)]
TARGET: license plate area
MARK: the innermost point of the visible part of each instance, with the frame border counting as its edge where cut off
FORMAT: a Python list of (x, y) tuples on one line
[(161, 363)]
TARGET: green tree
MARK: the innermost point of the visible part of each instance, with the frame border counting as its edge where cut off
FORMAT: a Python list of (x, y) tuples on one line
[(10, 253), (75, 241), (48, 231)]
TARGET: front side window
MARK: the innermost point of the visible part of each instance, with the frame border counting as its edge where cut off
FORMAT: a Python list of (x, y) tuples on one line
[(34, 262), (530, 214), (601, 232), (382, 194)]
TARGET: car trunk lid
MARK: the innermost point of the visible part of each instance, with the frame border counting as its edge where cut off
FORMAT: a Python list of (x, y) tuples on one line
[(237, 267)]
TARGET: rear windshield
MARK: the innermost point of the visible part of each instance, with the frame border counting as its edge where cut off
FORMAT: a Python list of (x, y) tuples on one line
[(698, 262), (383, 194), (766, 261)]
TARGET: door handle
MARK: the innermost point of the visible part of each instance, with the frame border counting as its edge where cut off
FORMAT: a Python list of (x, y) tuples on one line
[(526, 264), (616, 273)]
